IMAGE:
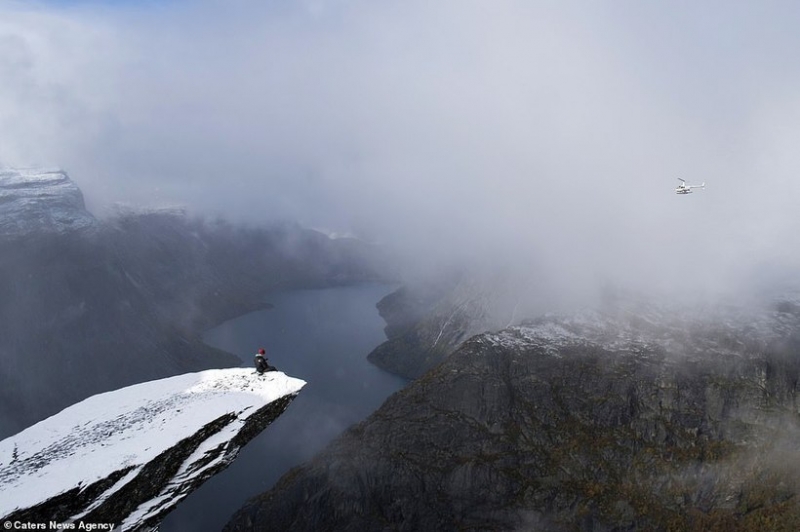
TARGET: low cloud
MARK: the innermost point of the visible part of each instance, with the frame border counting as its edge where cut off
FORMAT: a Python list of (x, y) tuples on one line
[(548, 135)]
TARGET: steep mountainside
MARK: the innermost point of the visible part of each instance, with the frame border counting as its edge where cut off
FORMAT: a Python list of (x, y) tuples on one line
[(128, 457), (428, 321), (633, 418), (96, 308)]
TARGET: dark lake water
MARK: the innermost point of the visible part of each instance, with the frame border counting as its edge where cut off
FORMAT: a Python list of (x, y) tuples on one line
[(320, 336)]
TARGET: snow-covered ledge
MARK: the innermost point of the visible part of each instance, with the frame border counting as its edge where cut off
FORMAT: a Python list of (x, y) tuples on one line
[(127, 457)]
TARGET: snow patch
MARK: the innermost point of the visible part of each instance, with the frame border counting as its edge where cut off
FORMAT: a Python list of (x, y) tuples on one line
[(722, 330)]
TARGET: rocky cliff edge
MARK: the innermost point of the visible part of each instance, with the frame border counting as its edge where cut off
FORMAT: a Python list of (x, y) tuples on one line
[(632, 418), (127, 457), (40, 200)]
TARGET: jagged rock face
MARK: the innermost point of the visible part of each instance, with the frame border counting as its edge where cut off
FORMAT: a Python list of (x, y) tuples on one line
[(624, 421), (36, 201), (128, 457), (427, 322)]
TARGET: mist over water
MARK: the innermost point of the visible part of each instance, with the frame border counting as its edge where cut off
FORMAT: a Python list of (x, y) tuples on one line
[(323, 337), (545, 135), (533, 145)]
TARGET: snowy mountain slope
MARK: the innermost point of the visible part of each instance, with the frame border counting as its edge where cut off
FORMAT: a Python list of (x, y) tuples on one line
[(36, 200), (690, 332), (128, 456), (632, 416), (426, 323)]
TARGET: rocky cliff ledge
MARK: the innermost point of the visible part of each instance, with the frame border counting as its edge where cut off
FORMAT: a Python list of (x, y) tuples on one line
[(128, 457), (40, 200), (635, 418)]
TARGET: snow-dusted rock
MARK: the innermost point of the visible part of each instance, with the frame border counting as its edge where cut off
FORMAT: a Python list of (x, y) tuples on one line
[(40, 200), (685, 332), (635, 416), (427, 323), (127, 457)]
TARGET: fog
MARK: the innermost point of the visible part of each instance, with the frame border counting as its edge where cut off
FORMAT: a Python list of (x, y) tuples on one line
[(547, 135)]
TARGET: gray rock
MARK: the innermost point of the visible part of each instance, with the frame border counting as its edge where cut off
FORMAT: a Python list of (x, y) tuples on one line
[(39, 200), (636, 418), (426, 322)]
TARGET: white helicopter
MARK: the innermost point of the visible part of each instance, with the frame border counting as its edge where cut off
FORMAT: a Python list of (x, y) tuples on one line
[(683, 188)]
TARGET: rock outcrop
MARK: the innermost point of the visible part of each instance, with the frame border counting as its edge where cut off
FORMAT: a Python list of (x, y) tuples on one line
[(633, 418), (39, 201), (127, 299), (428, 321), (128, 457)]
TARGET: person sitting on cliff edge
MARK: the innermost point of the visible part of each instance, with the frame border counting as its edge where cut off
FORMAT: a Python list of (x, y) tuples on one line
[(262, 365)]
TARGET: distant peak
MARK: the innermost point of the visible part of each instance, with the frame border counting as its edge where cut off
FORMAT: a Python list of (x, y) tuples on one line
[(40, 200)]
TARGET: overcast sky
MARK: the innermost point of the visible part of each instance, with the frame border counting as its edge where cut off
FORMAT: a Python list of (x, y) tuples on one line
[(546, 132)]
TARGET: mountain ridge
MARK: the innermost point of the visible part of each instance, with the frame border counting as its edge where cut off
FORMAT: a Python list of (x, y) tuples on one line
[(631, 418), (127, 299)]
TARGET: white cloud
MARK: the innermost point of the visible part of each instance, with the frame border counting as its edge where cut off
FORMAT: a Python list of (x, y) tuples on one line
[(552, 130)]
